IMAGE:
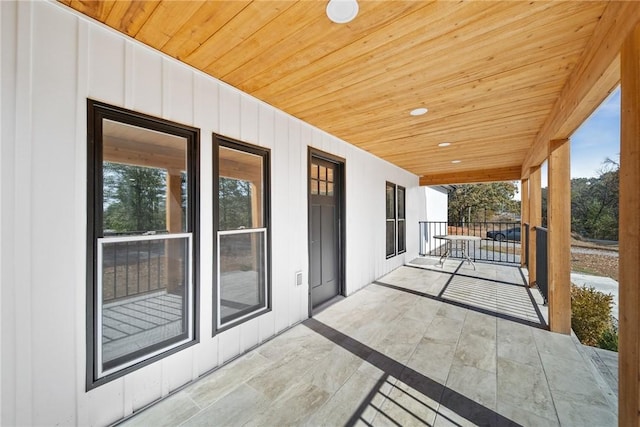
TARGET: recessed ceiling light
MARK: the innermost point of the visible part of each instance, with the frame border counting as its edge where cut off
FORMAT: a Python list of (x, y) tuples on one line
[(444, 144), (456, 161), (342, 11), (418, 111)]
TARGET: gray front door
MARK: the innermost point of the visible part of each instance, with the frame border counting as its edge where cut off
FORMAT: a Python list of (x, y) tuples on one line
[(325, 183)]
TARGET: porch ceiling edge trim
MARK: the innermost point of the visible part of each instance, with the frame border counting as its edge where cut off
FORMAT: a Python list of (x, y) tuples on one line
[(593, 78), (472, 177)]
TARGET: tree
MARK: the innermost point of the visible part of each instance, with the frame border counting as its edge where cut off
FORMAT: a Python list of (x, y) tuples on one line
[(234, 198), (594, 203), (468, 202), (134, 198)]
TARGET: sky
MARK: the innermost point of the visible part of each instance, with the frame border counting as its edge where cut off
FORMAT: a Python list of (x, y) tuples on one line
[(594, 141)]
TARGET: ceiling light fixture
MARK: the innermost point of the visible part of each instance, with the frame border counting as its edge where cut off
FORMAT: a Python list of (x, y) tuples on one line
[(418, 111), (444, 144), (342, 11), (456, 161)]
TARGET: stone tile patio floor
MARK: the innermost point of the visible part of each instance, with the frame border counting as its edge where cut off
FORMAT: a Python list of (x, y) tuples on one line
[(423, 345)]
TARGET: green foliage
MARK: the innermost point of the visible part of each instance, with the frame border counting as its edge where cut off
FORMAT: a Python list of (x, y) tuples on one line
[(134, 198), (234, 204), (473, 202), (590, 314), (594, 204), (609, 339)]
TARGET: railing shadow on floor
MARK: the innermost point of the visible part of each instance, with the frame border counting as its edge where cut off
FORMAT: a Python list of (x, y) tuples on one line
[(446, 397)]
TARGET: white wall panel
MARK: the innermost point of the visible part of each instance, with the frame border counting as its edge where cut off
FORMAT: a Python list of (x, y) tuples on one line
[(8, 83), (104, 405), (146, 84), (229, 108), (52, 261), (281, 236), (229, 344), (142, 387), (249, 334), (60, 59), (177, 92), (206, 354), (177, 370), (106, 65), (249, 125)]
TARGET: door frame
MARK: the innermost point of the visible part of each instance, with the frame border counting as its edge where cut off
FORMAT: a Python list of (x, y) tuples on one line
[(341, 200)]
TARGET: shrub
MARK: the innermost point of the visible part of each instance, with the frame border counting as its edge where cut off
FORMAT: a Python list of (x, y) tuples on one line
[(609, 340), (590, 314)]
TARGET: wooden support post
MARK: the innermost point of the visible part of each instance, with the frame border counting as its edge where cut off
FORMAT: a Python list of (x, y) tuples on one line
[(256, 218), (173, 262), (535, 219), (524, 218), (559, 237), (629, 275)]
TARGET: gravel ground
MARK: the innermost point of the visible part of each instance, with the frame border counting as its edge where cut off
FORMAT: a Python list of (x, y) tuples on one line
[(597, 263)]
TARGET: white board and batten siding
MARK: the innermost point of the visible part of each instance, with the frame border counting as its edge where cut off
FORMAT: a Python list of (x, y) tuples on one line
[(52, 61)]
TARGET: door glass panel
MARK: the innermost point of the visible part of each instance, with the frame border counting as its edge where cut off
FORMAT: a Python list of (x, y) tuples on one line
[(323, 173), (323, 188), (330, 174), (314, 186), (314, 171), (330, 189)]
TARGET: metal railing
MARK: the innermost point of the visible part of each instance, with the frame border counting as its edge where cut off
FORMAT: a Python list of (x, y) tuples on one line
[(542, 274), (135, 265), (501, 240), (526, 244)]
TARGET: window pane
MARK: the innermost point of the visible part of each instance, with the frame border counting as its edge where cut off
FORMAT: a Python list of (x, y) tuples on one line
[(145, 285), (242, 274), (391, 201), (323, 173), (323, 188), (144, 181), (330, 174), (401, 236), (314, 186), (330, 189), (314, 171), (391, 237), (401, 202), (240, 190)]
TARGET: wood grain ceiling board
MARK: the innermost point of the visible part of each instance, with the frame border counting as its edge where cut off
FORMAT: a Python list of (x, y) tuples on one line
[(490, 72)]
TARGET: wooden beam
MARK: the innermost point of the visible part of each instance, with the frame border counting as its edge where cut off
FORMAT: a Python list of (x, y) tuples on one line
[(559, 237), (535, 219), (524, 214), (629, 274), (174, 225), (472, 177), (594, 69)]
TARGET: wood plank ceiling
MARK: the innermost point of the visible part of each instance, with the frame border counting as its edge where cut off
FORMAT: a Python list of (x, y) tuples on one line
[(489, 72)]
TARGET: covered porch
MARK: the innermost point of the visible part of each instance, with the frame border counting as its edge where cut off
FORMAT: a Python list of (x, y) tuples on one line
[(422, 345)]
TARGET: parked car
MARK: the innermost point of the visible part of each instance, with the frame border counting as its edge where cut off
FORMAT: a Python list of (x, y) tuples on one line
[(508, 234)]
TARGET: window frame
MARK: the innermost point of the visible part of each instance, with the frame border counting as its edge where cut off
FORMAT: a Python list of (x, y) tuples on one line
[(96, 112), (392, 220), (403, 220), (265, 153), (396, 220)]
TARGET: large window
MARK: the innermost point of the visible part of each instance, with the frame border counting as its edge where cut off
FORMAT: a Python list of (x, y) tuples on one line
[(395, 220), (242, 225), (391, 219), (142, 231)]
